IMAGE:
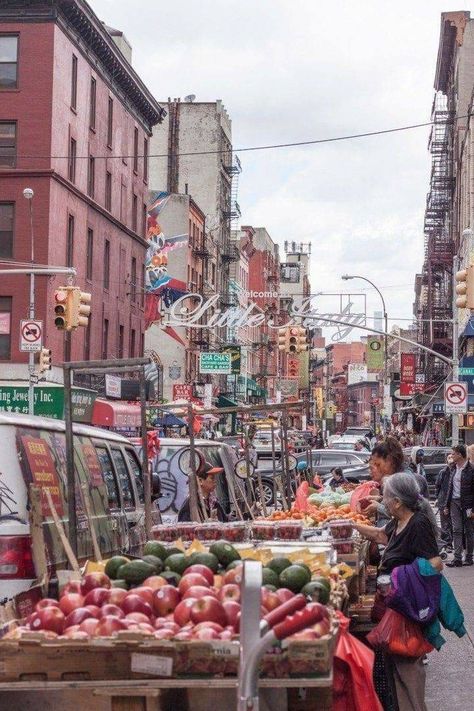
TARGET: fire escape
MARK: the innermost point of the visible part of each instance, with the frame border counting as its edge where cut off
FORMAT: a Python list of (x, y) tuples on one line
[(435, 293)]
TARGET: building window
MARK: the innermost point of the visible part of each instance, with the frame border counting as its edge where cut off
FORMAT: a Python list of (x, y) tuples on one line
[(93, 103), (145, 160), (120, 343), (91, 177), (7, 144), (72, 160), (135, 213), (135, 150), (5, 327), (74, 83), (8, 61), (145, 219), (108, 191), (90, 254), (110, 122), (7, 221), (133, 280), (132, 343), (70, 241), (105, 339), (107, 264)]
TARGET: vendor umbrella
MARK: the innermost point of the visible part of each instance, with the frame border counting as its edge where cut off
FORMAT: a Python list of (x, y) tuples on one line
[(169, 420)]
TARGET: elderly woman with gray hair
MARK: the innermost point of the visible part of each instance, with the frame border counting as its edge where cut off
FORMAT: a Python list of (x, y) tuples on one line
[(411, 533)]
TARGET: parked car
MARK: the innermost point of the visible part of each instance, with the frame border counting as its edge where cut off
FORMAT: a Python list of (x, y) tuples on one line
[(262, 441), (434, 461), (324, 460), (33, 451), (349, 443)]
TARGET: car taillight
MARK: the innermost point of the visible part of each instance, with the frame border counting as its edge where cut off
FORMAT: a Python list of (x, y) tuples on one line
[(16, 558)]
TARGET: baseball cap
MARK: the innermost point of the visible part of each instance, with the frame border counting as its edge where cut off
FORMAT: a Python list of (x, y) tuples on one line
[(208, 468)]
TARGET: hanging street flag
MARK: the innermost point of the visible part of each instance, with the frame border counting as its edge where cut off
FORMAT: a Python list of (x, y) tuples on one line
[(407, 368), (375, 354)]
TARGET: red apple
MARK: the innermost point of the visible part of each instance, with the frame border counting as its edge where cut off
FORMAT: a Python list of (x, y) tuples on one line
[(137, 617), (94, 580), (208, 609), (94, 610), (70, 602), (206, 633), (165, 600), (202, 570), (154, 582), (117, 596), (73, 586), (108, 626), (168, 625), (134, 603), (69, 630), (230, 591), (206, 625), (198, 591), (113, 610), (232, 611), (90, 625), (321, 628), (46, 602), (182, 613), (234, 575), (183, 636), (78, 634), (97, 596), (226, 635), (190, 579), (284, 594), (163, 634), (146, 628), (145, 593), (269, 599), (49, 618), (77, 616), (320, 609)]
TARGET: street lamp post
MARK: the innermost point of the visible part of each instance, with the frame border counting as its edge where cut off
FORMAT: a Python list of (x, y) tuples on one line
[(28, 194), (346, 277)]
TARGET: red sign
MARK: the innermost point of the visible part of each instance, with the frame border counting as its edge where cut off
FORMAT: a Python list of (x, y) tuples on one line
[(411, 388), (43, 472), (407, 370), (182, 392)]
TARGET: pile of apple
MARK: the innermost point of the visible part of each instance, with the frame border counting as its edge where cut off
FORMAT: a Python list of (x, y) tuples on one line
[(195, 609)]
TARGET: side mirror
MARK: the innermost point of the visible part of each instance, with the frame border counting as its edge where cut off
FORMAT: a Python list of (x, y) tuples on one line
[(155, 486)]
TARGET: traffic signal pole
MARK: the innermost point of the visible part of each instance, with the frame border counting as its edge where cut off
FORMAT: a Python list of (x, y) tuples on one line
[(455, 418)]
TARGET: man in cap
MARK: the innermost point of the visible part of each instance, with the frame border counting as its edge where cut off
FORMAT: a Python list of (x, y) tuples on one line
[(207, 483)]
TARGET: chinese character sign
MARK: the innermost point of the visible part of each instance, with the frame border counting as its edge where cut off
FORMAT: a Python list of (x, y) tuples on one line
[(43, 472)]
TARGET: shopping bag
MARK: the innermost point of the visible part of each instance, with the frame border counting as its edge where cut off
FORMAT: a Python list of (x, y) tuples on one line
[(363, 491), (397, 634), (353, 686), (301, 497)]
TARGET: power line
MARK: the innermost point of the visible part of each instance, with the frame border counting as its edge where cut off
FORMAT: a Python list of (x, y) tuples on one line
[(247, 149)]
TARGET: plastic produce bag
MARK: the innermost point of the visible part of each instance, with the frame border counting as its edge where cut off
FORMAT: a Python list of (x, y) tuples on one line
[(397, 634), (367, 488), (301, 497), (353, 686)]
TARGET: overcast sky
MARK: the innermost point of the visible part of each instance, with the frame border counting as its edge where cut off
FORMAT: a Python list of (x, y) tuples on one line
[(291, 70)]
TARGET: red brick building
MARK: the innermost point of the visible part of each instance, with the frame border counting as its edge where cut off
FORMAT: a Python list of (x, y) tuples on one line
[(75, 120)]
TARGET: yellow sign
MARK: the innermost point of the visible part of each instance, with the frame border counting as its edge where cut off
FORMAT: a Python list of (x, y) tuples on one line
[(319, 400)]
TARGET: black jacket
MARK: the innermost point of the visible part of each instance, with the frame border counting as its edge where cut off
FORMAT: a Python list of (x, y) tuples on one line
[(443, 482), (184, 513), (467, 487)]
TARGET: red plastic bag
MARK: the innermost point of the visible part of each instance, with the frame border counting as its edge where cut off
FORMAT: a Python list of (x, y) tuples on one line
[(397, 634), (364, 490), (301, 497), (353, 686)]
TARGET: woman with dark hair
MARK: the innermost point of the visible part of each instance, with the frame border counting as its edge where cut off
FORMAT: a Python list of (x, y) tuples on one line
[(337, 478), (386, 459), (411, 534)]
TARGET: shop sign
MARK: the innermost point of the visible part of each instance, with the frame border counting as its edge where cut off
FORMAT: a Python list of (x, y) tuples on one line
[(235, 358), (215, 363), (407, 370), (356, 373), (182, 391), (43, 472), (48, 401), (288, 387), (113, 386), (408, 389), (374, 354)]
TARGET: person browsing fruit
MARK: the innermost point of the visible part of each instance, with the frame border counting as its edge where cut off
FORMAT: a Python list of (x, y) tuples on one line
[(208, 505)]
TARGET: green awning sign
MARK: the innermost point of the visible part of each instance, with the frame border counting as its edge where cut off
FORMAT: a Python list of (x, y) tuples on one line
[(48, 401), (215, 363)]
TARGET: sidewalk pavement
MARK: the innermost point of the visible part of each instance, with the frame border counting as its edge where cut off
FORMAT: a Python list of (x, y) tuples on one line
[(450, 678)]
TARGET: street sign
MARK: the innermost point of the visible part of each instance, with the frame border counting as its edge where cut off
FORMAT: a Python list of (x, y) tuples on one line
[(466, 371), (215, 363), (113, 386), (31, 335), (455, 398)]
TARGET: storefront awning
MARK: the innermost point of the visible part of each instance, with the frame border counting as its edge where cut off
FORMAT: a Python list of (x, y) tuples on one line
[(116, 414), (224, 401)]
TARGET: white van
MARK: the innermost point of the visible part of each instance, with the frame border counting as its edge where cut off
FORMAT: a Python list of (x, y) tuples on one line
[(33, 451)]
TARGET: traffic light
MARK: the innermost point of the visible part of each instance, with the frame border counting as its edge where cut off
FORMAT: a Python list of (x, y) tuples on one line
[(80, 308), (302, 344), (61, 307), (72, 308), (282, 339), (293, 340), (465, 288), (44, 360)]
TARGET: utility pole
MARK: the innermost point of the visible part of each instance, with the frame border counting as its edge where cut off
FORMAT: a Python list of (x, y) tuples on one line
[(454, 417), (28, 194)]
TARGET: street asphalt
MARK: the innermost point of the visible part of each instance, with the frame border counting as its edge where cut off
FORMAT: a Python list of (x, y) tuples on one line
[(450, 678)]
